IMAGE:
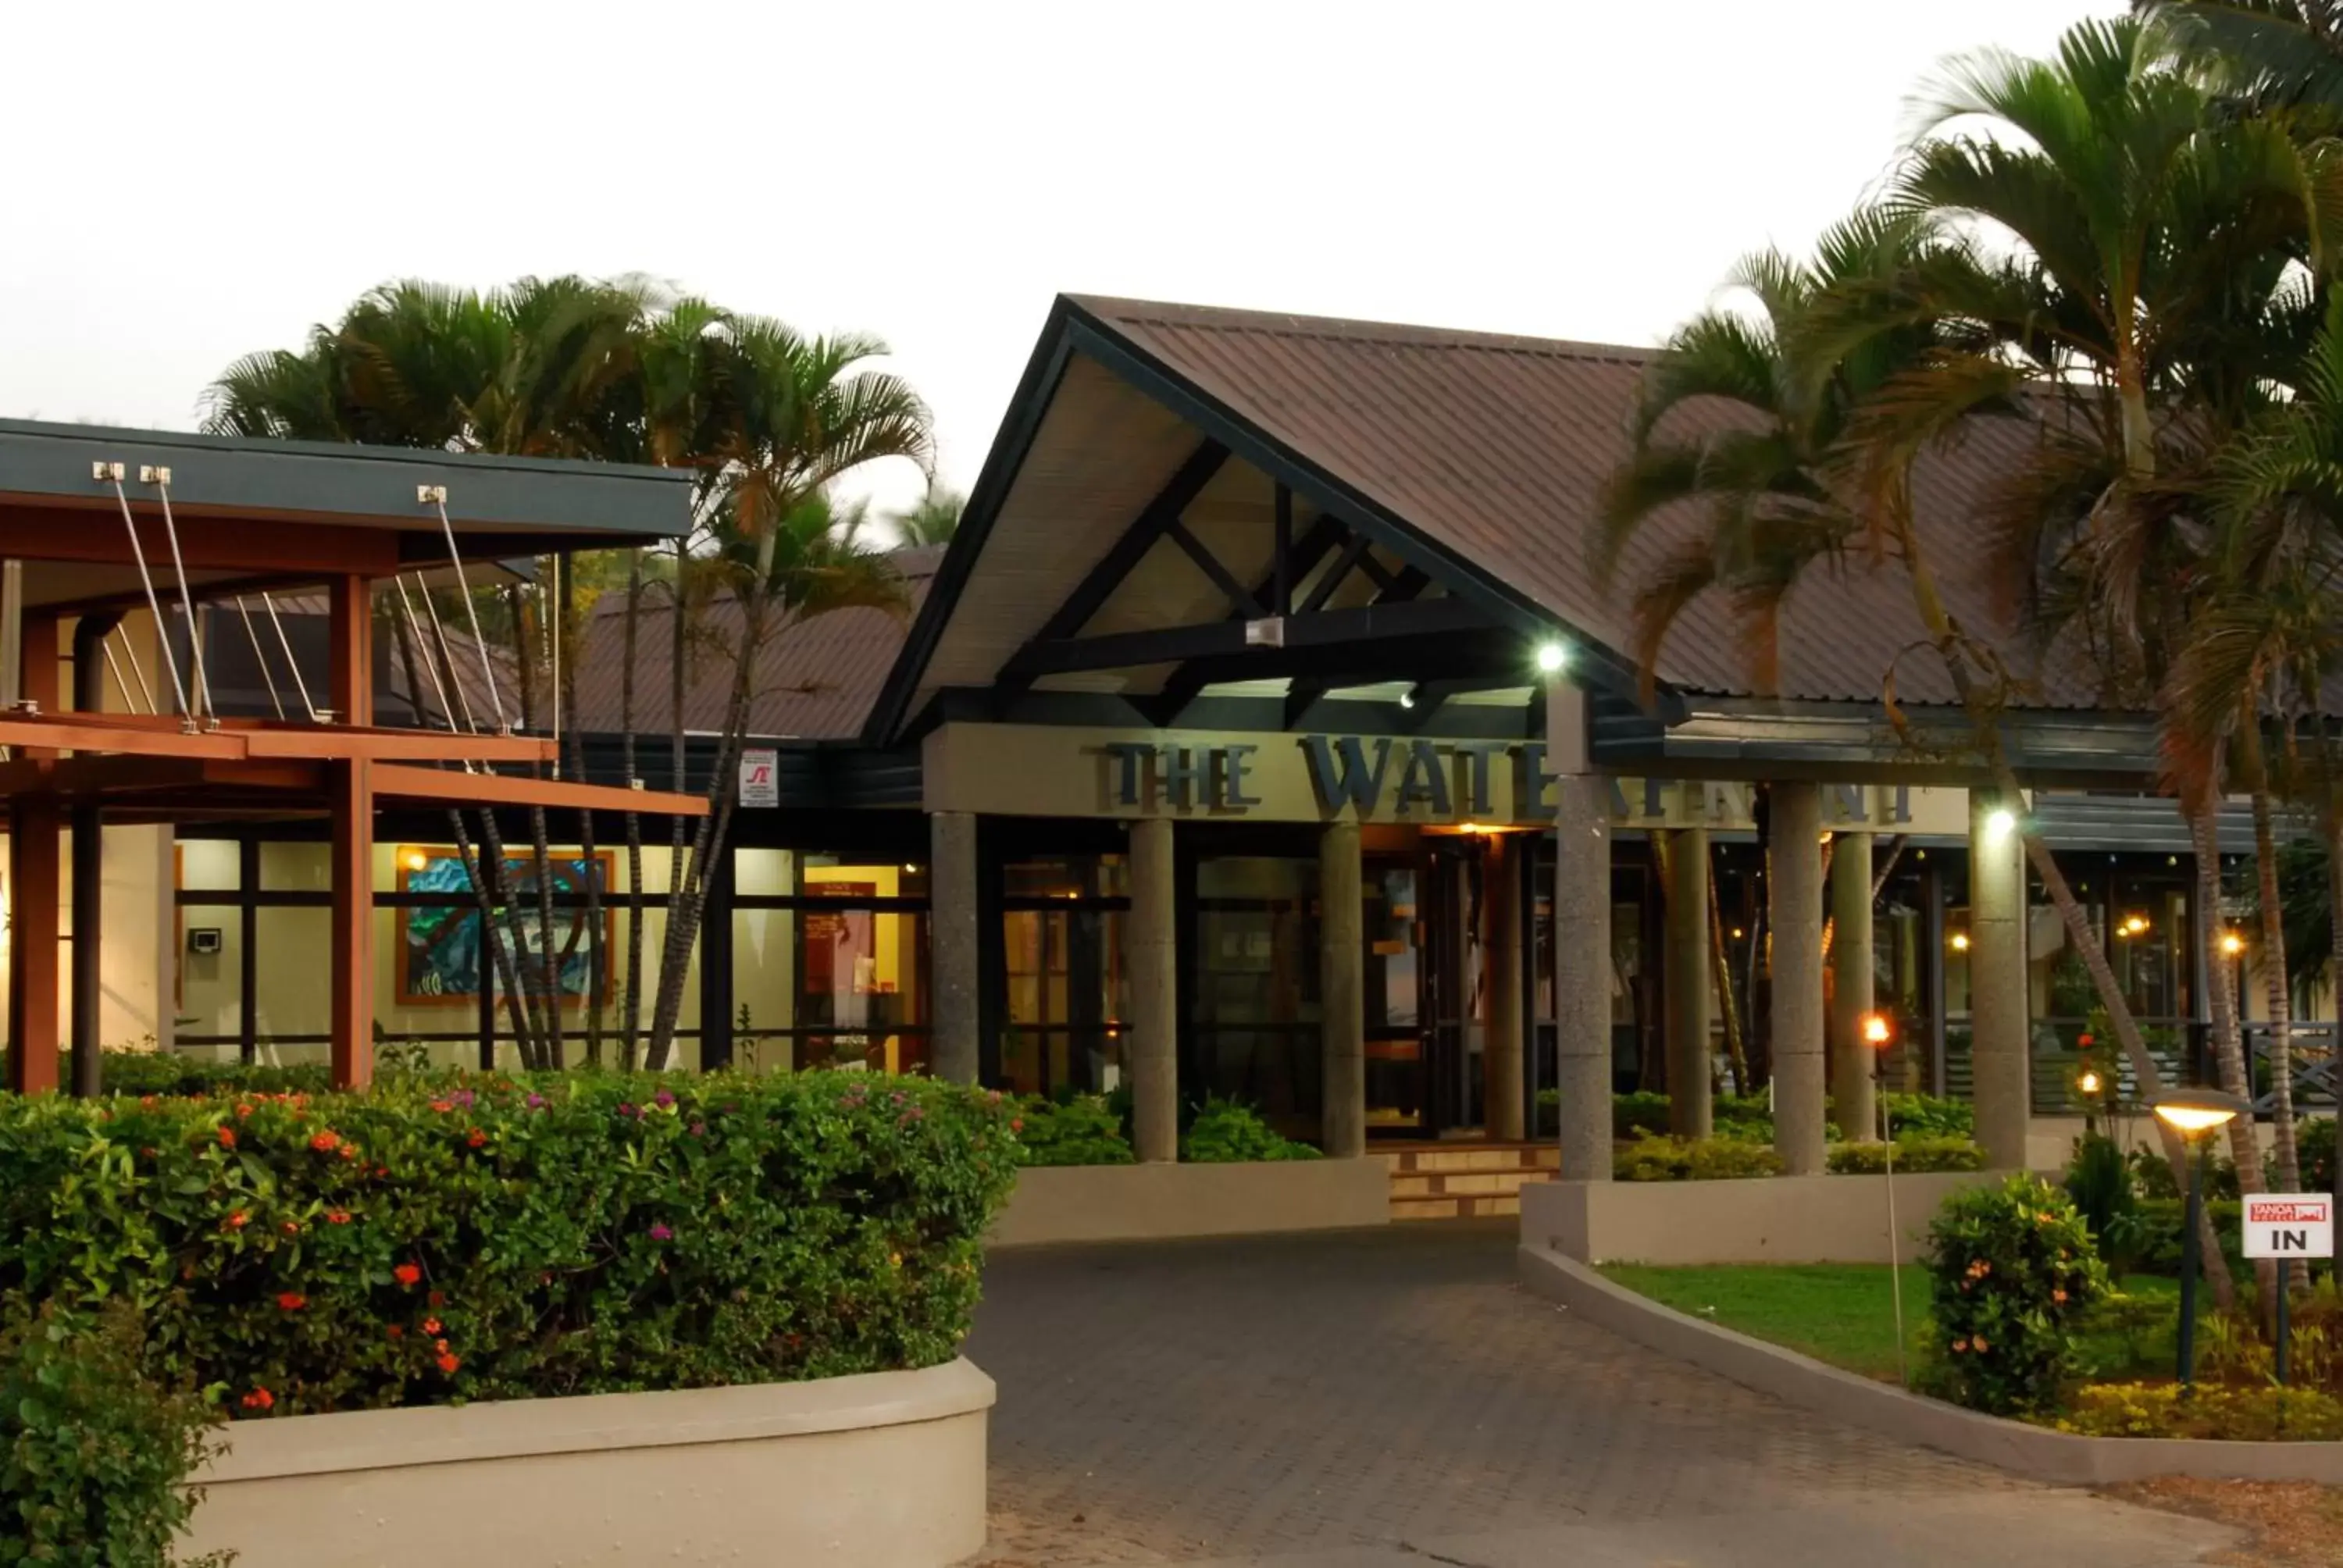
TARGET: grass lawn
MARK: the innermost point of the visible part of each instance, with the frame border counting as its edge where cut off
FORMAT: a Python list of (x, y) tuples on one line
[(1843, 1313)]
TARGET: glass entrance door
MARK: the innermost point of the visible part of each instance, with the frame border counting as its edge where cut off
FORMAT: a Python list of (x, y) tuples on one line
[(1454, 967), (1397, 1093)]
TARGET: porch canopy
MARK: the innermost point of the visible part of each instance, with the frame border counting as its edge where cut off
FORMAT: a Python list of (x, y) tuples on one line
[(1217, 517), (98, 523)]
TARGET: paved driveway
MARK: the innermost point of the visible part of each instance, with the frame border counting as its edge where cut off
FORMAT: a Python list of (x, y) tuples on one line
[(1392, 1397)]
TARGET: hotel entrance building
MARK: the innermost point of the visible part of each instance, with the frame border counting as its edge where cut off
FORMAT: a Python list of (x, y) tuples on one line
[(1265, 733)]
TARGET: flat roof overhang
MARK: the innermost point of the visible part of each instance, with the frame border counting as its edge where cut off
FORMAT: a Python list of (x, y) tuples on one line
[(251, 513), (1753, 739)]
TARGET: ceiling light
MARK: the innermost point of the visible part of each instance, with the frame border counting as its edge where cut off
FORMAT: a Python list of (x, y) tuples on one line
[(1552, 656)]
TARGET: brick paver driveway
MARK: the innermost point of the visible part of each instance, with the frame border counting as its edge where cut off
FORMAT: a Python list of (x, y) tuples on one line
[(1392, 1396)]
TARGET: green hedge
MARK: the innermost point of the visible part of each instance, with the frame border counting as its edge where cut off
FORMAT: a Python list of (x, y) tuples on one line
[(1081, 1130), (1649, 1159), (1914, 1154), (495, 1238), (1226, 1131), (126, 1071)]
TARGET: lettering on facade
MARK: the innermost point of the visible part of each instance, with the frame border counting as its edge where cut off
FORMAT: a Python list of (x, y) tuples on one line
[(1381, 776)]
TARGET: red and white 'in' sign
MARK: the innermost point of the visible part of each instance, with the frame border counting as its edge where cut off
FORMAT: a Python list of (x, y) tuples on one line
[(2289, 1225)]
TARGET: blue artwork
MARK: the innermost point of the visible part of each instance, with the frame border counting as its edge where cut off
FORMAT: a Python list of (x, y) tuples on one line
[(439, 946)]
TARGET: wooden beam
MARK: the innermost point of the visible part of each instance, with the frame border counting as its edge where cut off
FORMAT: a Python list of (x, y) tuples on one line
[(53, 732), (447, 786), (94, 536), (34, 887), (1241, 601), (380, 744), (1172, 645), (349, 664), (37, 680), (350, 875)]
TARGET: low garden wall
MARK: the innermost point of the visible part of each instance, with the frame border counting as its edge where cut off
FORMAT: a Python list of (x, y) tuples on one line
[(884, 1469), (2033, 1451), (1758, 1220), (1054, 1203)]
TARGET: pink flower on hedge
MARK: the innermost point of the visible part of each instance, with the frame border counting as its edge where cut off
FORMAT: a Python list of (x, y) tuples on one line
[(664, 1099), (535, 1102), (625, 1108), (699, 1128), (466, 1099), (661, 1233)]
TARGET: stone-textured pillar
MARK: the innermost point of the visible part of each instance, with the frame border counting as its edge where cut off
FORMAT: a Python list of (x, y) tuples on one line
[(1853, 1059), (1998, 1001), (1685, 965), (1794, 887), (954, 1052), (1152, 951), (1500, 1057), (1582, 948), (1341, 979)]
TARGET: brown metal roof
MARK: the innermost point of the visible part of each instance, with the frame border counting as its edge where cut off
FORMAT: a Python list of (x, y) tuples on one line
[(1494, 448), (814, 681)]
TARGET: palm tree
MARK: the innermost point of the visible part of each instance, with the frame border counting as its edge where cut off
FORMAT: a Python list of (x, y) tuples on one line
[(793, 414), (933, 519), (2121, 256), (2272, 54)]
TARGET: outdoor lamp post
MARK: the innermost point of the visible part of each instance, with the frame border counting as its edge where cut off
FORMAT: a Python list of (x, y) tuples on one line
[(1879, 1034), (2193, 1113), (2089, 1085)]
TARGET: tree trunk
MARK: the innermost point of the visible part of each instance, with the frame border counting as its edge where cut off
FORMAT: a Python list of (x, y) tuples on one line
[(1736, 1054), (683, 918), (551, 1047), (630, 1017), (2278, 994), (1984, 725), (2335, 970), (501, 968), (658, 1055), (598, 955)]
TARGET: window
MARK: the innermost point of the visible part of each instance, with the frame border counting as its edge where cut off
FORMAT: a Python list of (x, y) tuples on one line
[(1067, 999)]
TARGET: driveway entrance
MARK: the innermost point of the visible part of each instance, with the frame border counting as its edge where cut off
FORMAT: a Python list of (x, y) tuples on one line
[(1391, 1397)]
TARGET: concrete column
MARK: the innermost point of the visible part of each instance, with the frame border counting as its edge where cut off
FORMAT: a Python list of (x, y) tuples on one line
[(1152, 952), (1685, 969), (954, 1053), (1583, 976), (1793, 888), (1853, 1059), (1998, 1001), (1341, 958), (1500, 1057)]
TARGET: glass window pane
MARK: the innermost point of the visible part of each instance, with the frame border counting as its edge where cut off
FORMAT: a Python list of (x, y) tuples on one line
[(207, 864), (210, 1003), (296, 868)]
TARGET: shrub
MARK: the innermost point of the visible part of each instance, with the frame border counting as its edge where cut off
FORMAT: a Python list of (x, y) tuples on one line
[(1927, 1116), (1638, 1114), (1915, 1153), (93, 1457), (2150, 1236), (499, 1238), (1226, 1132), (1650, 1159), (2161, 1410), (2152, 1176), (2099, 1179), (1082, 1131), (122, 1071), (2013, 1275), (2314, 1147)]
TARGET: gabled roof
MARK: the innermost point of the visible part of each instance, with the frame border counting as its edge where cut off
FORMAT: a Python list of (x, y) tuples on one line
[(1480, 455)]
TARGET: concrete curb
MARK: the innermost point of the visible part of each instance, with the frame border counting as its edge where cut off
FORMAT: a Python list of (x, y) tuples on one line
[(2032, 1451)]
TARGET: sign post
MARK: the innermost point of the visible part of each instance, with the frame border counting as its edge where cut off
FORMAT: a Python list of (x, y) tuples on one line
[(2286, 1226), (760, 783)]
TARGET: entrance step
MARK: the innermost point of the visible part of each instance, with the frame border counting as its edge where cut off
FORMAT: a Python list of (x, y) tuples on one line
[(1459, 1181)]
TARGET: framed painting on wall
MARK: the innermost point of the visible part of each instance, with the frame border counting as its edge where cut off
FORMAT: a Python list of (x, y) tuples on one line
[(440, 945)]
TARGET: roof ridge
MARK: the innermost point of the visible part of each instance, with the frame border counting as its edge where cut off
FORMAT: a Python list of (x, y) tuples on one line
[(1335, 328)]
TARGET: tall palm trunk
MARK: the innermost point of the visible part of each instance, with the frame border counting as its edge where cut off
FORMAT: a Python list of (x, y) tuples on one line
[(663, 1042), (707, 842), (2278, 994), (1736, 1053), (2335, 968), (598, 955), (551, 1048), (1984, 724), (630, 1017)]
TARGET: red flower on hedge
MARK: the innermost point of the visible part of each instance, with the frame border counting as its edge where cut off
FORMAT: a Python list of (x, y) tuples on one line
[(398, 1333), (258, 1399), (292, 1300), (238, 1221), (478, 1138), (449, 1363), (437, 1298), (407, 1274), (228, 1137), (431, 1325), (338, 1217), (443, 1106), (325, 1143)]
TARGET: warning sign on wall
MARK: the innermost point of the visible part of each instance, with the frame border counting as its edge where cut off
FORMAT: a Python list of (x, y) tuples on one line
[(2289, 1225), (761, 781)]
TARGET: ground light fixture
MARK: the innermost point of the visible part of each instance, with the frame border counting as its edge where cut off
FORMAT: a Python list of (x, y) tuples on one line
[(1551, 657), (1879, 1034), (2192, 1113)]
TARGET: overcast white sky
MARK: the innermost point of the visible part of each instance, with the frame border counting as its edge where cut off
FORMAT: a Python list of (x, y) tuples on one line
[(184, 184)]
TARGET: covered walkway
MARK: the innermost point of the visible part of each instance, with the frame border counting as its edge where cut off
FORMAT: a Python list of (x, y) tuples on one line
[(1390, 1397)]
